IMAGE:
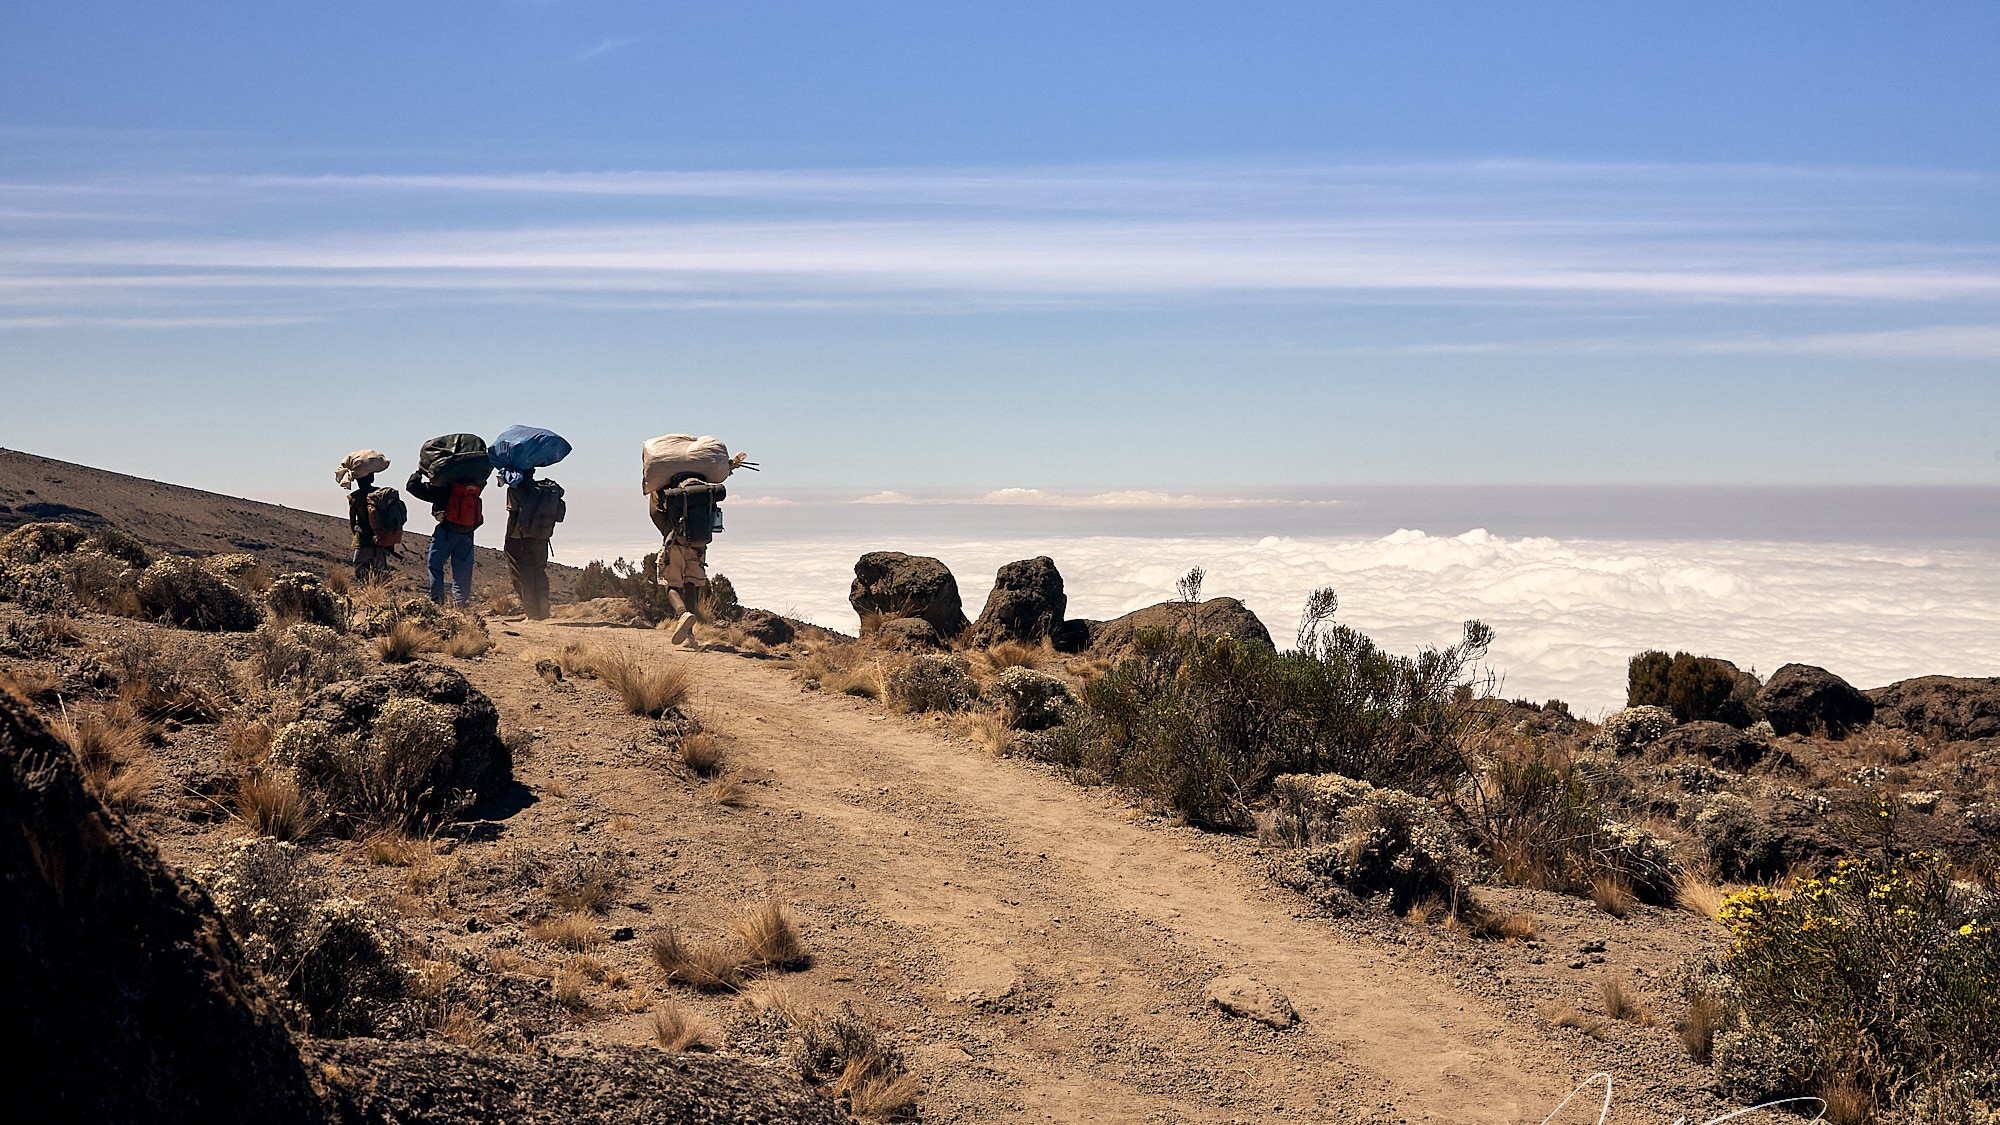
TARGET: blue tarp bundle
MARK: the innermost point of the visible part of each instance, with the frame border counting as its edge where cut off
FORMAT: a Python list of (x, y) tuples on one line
[(520, 448)]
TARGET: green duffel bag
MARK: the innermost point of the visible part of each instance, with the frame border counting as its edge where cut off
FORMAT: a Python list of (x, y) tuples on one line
[(456, 459)]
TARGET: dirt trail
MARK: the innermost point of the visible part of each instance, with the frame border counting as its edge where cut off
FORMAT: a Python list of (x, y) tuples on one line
[(1049, 954)]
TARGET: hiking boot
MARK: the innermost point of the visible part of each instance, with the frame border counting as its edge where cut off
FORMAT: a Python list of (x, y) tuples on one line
[(683, 629)]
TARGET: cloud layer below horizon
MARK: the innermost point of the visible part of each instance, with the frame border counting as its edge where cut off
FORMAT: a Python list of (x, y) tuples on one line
[(1568, 613)]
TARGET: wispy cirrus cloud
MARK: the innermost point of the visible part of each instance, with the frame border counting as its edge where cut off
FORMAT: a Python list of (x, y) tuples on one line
[(1509, 231), (605, 46), (1943, 341)]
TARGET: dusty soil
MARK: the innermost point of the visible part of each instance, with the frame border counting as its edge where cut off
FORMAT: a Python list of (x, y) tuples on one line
[(1039, 950)]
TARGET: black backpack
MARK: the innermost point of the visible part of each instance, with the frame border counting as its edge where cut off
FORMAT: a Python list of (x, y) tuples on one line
[(538, 506), (689, 511)]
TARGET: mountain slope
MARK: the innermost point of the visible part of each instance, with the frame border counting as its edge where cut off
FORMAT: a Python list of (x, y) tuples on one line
[(183, 520)]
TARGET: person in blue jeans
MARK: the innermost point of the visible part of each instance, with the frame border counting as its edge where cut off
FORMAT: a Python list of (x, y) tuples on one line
[(457, 510)]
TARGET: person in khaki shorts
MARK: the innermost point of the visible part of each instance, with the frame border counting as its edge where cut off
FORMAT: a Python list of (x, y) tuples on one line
[(684, 512)]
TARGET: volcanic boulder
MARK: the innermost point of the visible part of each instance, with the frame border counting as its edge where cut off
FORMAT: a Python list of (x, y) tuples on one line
[(1027, 604), (1212, 618), (764, 626), (908, 634), (890, 584), (123, 995), (1801, 699), (1954, 708)]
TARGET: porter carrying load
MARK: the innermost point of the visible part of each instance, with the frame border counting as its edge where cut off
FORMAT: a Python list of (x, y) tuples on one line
[(672, 456), (521, 448), (358, 464), (455, 459)]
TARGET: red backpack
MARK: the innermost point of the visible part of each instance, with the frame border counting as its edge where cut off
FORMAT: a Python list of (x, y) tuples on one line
[(461, 505)]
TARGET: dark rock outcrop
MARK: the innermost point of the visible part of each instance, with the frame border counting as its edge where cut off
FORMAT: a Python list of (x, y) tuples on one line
[(1953, 708), (479, 766), (908, 634), (1712, 741), (373, 1082), (1215, 617), (1027, 604), (890, 584), (1802, 699), (123, 996), (764, 626)]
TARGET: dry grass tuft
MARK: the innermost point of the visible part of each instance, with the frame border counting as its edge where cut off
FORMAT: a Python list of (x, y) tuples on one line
[(590, 968), (987, 730), (468, 643), (1698, 896), (574, 932), (876, 1092), (1612, 895), (727, 792), (846, 669), (652, 689), (1622, 1003), (247, 743), (111, 750), (1846, 1102), (770, 938), (271, 805), (403, 641), (701, 753), (337, 580), (571, 990), (677, 1028), (1516, 927), (391, 848), (30, 683), (505, 961), (1563, 1015), (576, 658), (1698, 1025), (709, 966), (995, 659)]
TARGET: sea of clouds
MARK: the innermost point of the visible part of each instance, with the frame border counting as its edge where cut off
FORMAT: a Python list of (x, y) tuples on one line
[(1568, 612)]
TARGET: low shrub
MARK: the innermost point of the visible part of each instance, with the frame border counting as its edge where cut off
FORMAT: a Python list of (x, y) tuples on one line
[(1030, 700), (301, 658), (1632, 729), (181, 591), (1201, 724), (37, 542), (1545, 820), (1739, 843), (383, 781), (580, 882), (1882, 976), (932, 682), (844, 1053), (303, 596), (336, 961), (1384, 842), (1693, 687), (245, 571)]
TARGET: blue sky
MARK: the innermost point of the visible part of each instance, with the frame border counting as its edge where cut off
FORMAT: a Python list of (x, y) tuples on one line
[(1068, 247)]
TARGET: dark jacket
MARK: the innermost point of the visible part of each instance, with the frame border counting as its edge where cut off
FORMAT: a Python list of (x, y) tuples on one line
[(357, 512), (435, 495)]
